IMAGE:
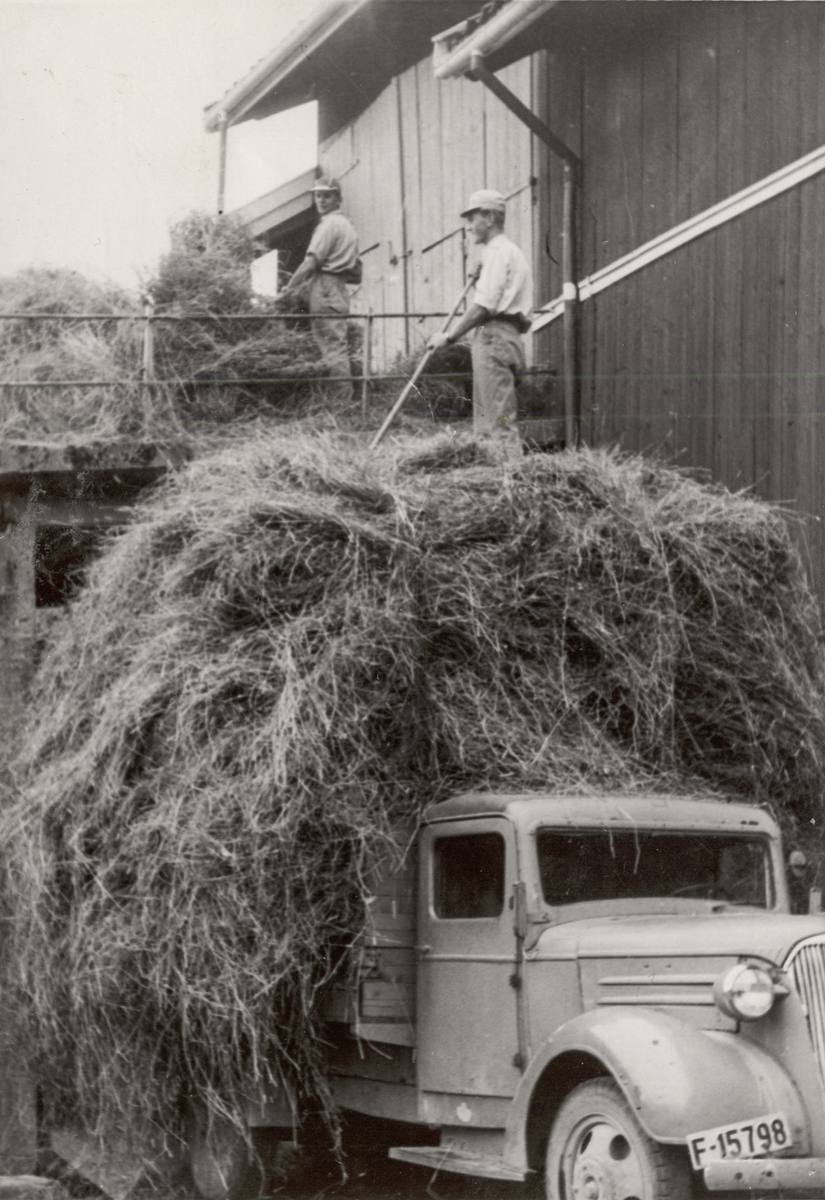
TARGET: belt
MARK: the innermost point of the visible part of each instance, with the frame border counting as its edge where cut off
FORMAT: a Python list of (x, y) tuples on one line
[(509, 319)]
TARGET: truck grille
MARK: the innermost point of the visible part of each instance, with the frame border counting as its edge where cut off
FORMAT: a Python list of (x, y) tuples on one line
[(806, 967)]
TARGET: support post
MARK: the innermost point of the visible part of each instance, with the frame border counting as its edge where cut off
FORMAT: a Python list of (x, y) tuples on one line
[(148, 363), (18, 1123), (224, 127), (367, 354), (479, 70), (572, 423)]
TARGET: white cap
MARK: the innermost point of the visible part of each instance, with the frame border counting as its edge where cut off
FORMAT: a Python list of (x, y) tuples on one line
[(485, 199), (326, 184)]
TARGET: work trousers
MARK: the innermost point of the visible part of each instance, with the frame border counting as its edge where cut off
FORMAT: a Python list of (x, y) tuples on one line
[(498, 360), (328, 294)]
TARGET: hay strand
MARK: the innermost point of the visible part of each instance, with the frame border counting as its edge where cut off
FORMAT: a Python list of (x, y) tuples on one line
[(295, 646)]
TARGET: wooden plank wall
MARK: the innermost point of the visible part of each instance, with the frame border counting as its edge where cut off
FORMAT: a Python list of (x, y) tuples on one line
[(556, 100), (407, 166), (713, 355), (377, 996), (365, 157)]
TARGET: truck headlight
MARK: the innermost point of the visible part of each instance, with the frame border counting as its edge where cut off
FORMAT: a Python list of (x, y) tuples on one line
[(744, 992)]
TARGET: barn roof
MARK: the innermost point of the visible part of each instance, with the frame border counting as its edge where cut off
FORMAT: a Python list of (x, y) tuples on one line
[(344, 55), (278, 81), (487, 32), (285, 209), (349, 50)]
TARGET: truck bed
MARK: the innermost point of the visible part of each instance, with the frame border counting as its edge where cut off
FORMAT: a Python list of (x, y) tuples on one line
[(376, 1001)]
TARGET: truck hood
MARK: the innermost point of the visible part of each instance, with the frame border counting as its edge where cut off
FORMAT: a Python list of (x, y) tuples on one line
[(699, 935)]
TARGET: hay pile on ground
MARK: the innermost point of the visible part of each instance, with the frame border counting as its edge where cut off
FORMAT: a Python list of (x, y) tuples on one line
[(210, 368), (39, 352), (219, 370), (445, 387), (298, 642), (260, 365)]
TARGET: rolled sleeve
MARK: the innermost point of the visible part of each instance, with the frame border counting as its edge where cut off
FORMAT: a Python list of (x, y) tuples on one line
[(334, 244), (322, 243)]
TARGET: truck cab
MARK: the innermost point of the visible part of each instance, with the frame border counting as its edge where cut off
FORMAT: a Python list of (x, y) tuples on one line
[(609, 992)]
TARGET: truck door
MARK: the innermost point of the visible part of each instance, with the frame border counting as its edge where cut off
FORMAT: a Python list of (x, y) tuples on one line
[(467, 1020)]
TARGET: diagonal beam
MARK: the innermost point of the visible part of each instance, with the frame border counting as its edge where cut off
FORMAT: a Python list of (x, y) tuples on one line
[(479, 70)]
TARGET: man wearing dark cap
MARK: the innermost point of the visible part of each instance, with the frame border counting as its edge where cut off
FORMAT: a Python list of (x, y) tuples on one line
[(499, 315), (331, 262)]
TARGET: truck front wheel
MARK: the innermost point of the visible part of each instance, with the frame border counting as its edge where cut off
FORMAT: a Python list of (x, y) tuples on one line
[(598, 1151)]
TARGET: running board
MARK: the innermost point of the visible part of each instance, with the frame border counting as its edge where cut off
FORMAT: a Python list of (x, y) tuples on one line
[(445, 1158)]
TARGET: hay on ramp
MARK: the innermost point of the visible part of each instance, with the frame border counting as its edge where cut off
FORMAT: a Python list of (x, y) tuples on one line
[(298, 643), (46, 363)]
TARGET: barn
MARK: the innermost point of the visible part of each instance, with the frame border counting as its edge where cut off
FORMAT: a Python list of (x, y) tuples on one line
[(665, 169)]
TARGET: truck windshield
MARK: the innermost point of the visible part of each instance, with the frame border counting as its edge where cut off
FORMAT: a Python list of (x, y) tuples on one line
[(602, 864)]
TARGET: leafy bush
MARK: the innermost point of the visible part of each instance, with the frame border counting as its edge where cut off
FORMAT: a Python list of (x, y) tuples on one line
[(207, 268)]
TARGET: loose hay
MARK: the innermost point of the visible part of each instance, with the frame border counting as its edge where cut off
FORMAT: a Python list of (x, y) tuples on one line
[(298, 643), (41, 351)]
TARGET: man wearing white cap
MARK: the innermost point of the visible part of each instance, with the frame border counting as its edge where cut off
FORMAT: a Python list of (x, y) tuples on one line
[(499, 314), (330, 263)]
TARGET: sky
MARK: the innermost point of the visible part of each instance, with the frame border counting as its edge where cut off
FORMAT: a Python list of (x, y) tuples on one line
[(102, 145)]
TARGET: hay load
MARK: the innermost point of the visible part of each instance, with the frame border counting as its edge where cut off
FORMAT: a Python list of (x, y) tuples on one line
[(296, 644)]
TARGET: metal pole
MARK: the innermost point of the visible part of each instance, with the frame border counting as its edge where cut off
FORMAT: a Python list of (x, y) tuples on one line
[(405, 281), (480, 70), (148, 367), (224, 126), (367, 357), (570, 293)]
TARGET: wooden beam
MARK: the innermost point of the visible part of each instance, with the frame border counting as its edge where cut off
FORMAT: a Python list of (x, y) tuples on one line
[(481, 71)]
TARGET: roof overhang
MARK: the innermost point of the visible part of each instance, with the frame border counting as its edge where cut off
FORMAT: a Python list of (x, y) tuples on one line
[(486, 33), (343, 57), (279, 69), (281, 211)]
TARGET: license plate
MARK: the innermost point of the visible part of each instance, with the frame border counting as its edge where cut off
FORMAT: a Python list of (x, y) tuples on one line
[(745, 1139)]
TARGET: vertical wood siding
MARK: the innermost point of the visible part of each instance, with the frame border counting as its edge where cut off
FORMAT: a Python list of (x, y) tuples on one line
[(713, 355), (407, 166)]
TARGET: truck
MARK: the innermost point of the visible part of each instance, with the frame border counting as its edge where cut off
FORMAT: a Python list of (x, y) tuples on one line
[(609, 993)]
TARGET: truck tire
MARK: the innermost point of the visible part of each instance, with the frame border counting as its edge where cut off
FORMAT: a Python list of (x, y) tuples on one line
[(222, 1166), (598, 1151)]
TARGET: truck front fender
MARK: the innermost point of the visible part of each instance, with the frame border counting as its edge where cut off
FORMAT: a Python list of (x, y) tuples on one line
[(677, 1079)]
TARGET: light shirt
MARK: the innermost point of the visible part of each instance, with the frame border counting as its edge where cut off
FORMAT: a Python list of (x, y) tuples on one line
[(334, 244), (505, 285)]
